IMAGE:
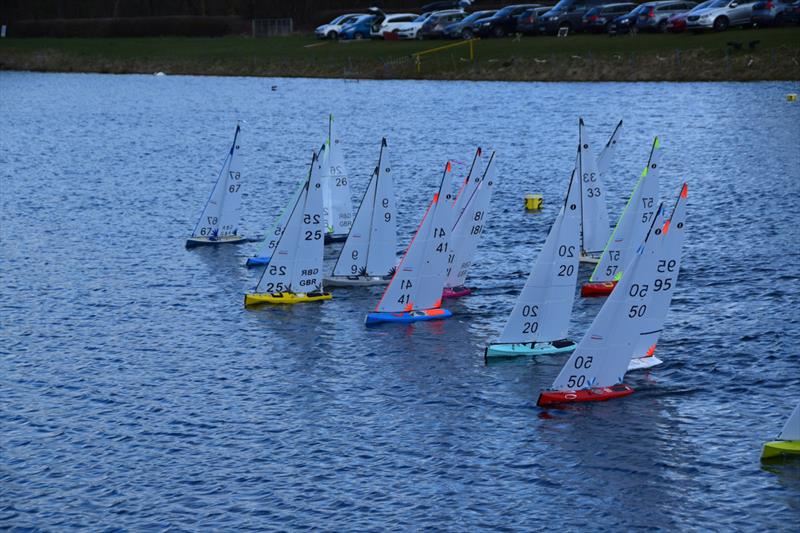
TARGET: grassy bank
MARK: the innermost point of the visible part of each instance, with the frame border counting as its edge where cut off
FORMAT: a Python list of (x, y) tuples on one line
[(683, 57)]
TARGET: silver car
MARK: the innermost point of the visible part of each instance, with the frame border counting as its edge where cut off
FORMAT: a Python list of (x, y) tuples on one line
[(722, 14)]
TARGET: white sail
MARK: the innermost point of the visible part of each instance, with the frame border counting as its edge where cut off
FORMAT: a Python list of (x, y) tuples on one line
[(382, 255), (370, 249), (221, 214), (469, 225), (416, 272), (543, 309), (468, 185), (337, 200), (633, 223), (275, 232), (603, 354), (791, 430), (594, 215), (664, 277), (277, 276), (307, 274), (608, 151)]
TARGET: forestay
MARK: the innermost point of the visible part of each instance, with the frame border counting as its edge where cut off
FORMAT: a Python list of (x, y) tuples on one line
[(791, 430), (542, 311), (275, 232), (664, 277), (222, 212), (469, 225), (633, 223), (370, 249), (422, 268), (594, 216), (603, 354), (337, 200)]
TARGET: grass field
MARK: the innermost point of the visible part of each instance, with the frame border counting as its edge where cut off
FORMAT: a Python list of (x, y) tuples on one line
[(682, 57)]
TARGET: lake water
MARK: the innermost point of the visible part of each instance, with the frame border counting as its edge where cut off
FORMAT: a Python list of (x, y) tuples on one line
[(137, 393)]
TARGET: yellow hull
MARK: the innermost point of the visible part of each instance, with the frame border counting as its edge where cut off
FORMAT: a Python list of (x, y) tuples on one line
[(284, 298), (779, 448)]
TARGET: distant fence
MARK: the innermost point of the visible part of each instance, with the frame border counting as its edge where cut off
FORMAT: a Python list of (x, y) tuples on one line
[(272, 27)]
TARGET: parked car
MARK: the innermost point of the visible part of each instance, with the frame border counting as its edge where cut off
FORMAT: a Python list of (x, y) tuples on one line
[(332, 29), (463, 28), (434, 26), (771, 12), (722, 14), (657, 14), (598, 19), (503, 22), (677, 22), (388, 23), (626, 23), (410, 30), (360, 28), (566, 14), (528, 20), (792, 15)]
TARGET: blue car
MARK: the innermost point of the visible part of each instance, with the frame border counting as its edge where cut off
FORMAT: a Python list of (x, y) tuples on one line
[(359, 28)]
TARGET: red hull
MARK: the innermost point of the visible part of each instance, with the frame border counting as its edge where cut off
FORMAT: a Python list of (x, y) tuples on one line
[(456, 292), (547, 398), (589, 290)]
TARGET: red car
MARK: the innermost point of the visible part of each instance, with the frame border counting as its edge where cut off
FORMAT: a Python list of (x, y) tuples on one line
[(677, 22)]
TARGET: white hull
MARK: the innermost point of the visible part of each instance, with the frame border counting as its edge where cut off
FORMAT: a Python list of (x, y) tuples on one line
[(360, 281), (192, 242), (590, 259), (641, 363)]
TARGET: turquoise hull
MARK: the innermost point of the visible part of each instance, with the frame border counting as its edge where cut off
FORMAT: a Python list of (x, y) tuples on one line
[(507, 351)]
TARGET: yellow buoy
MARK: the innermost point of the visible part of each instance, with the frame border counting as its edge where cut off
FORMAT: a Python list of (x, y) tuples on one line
[(792, 97), (533, 202)]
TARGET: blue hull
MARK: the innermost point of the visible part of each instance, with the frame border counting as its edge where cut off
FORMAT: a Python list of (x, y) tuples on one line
[(257, 261), (407, 318)]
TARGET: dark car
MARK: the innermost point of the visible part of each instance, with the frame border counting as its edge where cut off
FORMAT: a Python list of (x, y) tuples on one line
[(657, 14), (625, 23), (503, 22), (528, 20), (792, 15), (771, 12), (463, 28), (566, 14), (434, 26), (598, 19)]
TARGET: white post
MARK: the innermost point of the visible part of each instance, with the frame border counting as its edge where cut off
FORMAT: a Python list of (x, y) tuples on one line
[(3, 31)]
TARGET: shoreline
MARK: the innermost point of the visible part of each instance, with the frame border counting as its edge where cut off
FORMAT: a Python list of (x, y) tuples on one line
[(648, 58)]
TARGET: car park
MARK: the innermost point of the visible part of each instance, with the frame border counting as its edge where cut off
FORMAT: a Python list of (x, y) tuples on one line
[(332, 29), (463, 28), (566, 14), (792, 15), (360, 28), (528, 20), (598, 19), (502, 23), (721, 15), (656, 16), (410, 30), (627, 22)]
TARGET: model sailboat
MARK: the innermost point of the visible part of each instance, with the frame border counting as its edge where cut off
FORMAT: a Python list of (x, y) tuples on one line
[(540, 319), (595, 370), (788, 442), (337, 200), (668, 265), (415, 291), (369, 255), (633, 223), (219, 221), (594, 215), (294, 273), (470, 221)]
